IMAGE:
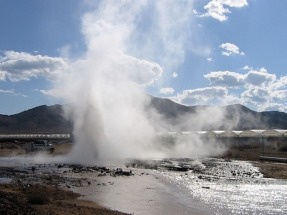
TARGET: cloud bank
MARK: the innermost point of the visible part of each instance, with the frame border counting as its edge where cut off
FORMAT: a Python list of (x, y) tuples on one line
[(256, 88), (19, 66)]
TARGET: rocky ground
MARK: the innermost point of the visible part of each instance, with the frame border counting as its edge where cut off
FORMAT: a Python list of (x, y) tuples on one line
[(31, 193), (269, 169)]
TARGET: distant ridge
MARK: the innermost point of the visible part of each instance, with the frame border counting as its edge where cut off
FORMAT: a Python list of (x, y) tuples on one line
[(49, 119), (246, 119), (41, 119)]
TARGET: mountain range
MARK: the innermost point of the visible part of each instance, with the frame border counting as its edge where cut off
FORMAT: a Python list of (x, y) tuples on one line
[(49, 119)]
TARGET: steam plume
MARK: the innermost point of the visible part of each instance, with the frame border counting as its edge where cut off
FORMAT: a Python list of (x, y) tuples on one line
[(105, 88)]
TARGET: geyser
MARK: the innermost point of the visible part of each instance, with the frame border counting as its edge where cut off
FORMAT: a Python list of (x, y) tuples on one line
[(105, 88)]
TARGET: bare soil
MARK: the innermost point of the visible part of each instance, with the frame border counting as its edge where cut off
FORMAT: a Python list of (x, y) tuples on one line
[(272, 169), (18, 148)]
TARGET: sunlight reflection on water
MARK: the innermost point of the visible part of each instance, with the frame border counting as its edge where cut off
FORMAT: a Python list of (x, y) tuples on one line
[(239, 195)]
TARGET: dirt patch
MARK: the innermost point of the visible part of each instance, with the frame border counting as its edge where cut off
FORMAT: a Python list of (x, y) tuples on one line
[(62, 148), (272, 170), (10, 149)]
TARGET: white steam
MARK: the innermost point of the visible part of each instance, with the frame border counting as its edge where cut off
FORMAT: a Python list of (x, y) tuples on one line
[(105, 88)]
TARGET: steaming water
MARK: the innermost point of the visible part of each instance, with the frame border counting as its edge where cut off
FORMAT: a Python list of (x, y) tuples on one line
[(233, 188), (212, 187)]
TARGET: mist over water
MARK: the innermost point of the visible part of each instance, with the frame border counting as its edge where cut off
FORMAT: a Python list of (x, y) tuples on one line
[(105, 88)]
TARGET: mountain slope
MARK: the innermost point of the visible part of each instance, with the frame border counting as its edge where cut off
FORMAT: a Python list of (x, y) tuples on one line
[(49, 119), (236, 117)]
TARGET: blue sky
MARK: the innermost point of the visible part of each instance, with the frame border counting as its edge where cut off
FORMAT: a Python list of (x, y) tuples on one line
[(201, 52)]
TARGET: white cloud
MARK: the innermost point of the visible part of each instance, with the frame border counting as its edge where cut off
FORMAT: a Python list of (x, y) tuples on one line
[(218, 9), (195, 12), (12, 92), (17, 66), (280, 83), (230, 49), (209, 59), (247, 68), (279, 95), (174, 75), (225, 78), (258, 89), (45, 92), (255, 95), (252, 78), (205, 96), (265, 91), (259, 77), (139, 71), (8, 91), (166, 91)]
